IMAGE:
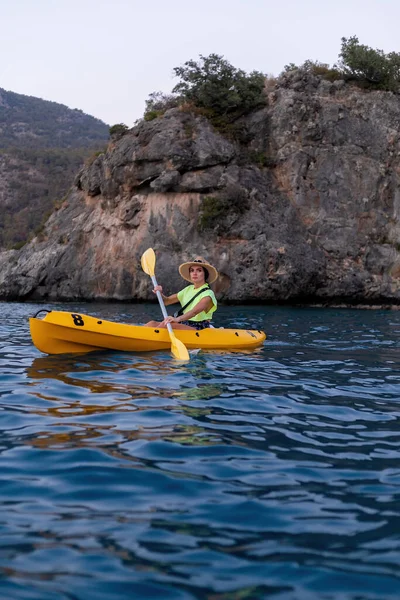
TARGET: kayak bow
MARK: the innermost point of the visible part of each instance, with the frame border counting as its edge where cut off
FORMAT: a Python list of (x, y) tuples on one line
[(63, 332)]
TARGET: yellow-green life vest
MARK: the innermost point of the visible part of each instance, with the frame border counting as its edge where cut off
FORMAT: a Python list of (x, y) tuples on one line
[(188, 292)]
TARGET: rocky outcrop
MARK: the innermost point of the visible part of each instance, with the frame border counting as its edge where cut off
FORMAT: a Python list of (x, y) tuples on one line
[(303, 206)]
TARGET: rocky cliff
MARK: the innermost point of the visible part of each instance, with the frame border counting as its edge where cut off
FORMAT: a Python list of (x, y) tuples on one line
[(301, 204)]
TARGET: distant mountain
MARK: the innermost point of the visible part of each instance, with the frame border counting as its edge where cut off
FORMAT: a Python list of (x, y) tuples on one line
[(28, 122), (42, 146)]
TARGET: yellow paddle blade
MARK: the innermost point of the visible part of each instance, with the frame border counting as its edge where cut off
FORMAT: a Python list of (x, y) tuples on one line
[(148, 262), (178, 348)]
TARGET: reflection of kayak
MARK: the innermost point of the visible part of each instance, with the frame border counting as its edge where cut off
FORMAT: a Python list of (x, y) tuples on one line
[(60, 332)]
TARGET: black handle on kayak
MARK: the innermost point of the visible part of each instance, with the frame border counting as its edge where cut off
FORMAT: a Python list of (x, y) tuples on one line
[(41, 310)]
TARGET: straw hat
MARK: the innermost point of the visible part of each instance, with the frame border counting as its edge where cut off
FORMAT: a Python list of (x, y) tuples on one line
[(198, 261)]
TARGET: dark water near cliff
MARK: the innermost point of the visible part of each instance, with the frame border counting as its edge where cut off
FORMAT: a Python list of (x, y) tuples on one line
[(274, 474)]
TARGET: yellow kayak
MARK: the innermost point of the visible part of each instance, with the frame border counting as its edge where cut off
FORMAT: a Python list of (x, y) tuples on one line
[(61, 332)]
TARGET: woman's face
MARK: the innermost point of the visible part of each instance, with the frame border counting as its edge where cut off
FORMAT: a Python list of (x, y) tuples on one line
[(197, 274)]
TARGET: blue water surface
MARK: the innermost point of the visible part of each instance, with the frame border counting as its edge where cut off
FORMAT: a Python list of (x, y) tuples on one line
[(265, 474)]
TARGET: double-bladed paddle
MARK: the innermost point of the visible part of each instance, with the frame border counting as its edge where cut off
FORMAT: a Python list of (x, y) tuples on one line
[(178, 348)]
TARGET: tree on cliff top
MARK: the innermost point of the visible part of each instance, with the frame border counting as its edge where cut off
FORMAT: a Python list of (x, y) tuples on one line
[(213, 83), (373, 66), (359, 63)]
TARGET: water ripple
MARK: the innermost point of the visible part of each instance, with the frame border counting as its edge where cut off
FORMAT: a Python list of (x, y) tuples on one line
[(272, 474)]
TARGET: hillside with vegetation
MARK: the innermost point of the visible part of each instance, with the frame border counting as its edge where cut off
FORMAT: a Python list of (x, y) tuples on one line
[(42, 146)]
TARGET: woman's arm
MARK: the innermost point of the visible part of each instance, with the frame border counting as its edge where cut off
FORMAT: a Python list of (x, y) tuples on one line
[(204, 304), (173, 299)]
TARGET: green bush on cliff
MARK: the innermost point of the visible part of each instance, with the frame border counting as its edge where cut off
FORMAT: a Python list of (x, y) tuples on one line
[(359, 63), (214, 88), (211, 209), (232, 201), (365, 64), (150, 115), (215, 85), (316, 68), (157, 103), (118, 129)]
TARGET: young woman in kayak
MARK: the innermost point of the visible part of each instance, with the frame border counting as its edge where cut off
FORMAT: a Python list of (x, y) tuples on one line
[(197, 300)]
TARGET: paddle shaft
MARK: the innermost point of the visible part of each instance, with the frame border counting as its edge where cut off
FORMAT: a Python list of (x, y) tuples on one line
[(162, 305)]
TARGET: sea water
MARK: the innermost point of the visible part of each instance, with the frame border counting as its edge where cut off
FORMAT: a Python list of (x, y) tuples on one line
[(246, 475)]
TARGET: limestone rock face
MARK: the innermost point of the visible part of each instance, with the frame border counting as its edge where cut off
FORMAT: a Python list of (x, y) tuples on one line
[(303, 204)]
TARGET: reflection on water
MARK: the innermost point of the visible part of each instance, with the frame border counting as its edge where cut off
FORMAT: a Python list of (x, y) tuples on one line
[(99, 373), (272, 474)]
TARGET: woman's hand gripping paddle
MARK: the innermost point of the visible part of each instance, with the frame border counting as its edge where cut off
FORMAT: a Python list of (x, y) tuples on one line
[(148, 262)]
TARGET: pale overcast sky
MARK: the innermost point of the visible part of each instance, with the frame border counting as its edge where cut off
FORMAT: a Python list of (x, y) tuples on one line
[(106, 56)]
